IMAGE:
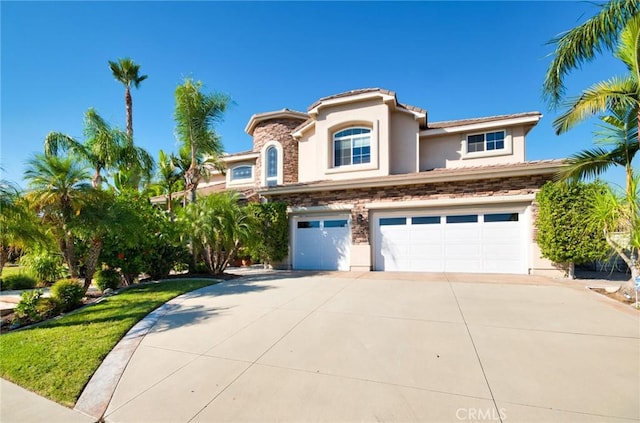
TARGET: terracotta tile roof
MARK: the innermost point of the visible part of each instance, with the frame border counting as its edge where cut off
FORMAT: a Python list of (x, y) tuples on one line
[(352, 92), (412, 108), (461, 122), (303, 124)]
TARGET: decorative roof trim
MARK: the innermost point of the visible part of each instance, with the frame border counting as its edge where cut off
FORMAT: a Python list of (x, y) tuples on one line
[(466, 125), (388, 97), (543, 167), (277, 114)]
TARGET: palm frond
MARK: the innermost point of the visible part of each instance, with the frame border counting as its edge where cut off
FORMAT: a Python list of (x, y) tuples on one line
[(629, 48), (126, 71), (586, 164), (618, 92), (582, 43)]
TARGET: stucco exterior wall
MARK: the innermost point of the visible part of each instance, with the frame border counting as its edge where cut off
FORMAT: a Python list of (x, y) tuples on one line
[(315, 149), (447, 150), (403, 144)]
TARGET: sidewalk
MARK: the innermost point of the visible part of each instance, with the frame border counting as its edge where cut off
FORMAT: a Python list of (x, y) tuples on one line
[(22, 406)]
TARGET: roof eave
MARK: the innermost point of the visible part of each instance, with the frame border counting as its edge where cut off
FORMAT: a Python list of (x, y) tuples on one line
[(524, 169), (524, 120), (260, 117)]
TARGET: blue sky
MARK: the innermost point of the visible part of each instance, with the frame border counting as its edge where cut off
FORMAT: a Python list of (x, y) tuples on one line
[(455, 59)]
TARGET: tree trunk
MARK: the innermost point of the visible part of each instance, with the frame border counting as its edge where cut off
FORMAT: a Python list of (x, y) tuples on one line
[(4, 257), (129, 105), (627, 288), (69, 253), (91, 263)]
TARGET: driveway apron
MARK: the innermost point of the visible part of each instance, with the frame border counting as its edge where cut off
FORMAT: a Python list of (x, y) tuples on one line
[(385, 347)]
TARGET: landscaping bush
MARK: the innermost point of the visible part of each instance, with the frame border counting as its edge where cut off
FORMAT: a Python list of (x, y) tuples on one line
[(165, 257), (25, 310), (68, 293), (47, 308), (45, 267), (107, 278), (17, 281)]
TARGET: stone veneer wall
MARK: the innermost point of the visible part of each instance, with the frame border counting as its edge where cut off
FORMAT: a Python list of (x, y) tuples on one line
[(441, 190), (278, 130)]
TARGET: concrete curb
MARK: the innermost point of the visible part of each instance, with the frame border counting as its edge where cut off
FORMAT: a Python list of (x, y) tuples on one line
[(96, 396)]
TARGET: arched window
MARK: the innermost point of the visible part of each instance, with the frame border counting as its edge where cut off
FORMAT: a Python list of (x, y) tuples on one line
[(272, 166), (352, 146)]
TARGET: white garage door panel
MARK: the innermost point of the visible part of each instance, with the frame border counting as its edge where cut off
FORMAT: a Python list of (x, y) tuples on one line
[(322, 244), (459, 243)]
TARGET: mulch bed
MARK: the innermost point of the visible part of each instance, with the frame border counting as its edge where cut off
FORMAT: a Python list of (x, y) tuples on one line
[(615, 295)]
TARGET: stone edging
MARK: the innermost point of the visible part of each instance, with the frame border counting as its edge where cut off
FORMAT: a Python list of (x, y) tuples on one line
[(96, 396)]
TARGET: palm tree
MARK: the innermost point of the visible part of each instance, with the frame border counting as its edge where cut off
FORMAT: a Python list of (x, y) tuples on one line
[(621, 218), (582, 44), (104, 148), (169, 176), (219, 227), (195, 115), (127, 71), (18, 225), (619, 132), (615, 93), (58, 191)]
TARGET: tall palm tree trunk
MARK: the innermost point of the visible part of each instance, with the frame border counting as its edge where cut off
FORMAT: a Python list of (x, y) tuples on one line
[(129, 106)]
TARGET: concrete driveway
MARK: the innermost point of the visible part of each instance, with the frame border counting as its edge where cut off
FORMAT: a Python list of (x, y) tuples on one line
[(386, 347)]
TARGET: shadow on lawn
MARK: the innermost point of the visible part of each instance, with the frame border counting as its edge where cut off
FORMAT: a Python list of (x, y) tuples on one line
[(180, 315)]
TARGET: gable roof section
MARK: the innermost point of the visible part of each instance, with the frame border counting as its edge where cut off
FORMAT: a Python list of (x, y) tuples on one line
[(540, 167), (387, 96), (463, 125), (277, 114)]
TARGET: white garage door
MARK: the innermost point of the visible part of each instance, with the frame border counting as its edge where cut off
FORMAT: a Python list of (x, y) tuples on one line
[(460, 242), (321, 243)]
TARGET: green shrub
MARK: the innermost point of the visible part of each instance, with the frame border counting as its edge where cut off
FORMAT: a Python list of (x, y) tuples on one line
[(26, 310), (17, 281), (68, 293), (107, 278), (45, 267), (48, 307)]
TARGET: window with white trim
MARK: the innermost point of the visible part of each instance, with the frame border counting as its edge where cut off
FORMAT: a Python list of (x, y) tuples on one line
[(488, 141), (240, 173), (272, 166), (352, 146)]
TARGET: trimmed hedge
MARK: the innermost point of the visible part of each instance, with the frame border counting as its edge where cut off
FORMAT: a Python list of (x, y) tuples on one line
[(107, 278), (17, 281), (68, 293)]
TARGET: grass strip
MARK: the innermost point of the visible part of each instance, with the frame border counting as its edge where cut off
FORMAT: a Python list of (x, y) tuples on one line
[(57, 359), (13, 270)]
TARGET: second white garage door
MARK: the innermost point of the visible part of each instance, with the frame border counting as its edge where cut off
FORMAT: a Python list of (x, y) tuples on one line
[(321, 243), (460, 242)]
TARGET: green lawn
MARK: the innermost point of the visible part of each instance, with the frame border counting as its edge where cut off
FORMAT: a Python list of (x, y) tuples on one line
[(12, 270), (57, 358)]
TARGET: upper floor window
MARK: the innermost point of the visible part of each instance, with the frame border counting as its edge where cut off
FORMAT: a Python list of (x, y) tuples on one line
[(352, 146), (241, 173), (272, 166), (485, 142)]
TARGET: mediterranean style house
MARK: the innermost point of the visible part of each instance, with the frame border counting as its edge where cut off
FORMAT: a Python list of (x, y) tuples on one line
[(372, 184)]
